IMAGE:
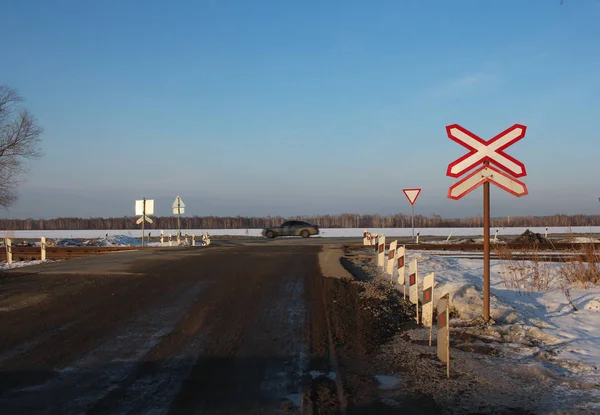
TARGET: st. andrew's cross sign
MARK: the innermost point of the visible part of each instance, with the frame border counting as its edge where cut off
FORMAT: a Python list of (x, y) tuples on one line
[(483, 153)]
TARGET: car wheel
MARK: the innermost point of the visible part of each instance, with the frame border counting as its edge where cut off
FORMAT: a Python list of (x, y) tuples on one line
[(270, 234), (304, 234)]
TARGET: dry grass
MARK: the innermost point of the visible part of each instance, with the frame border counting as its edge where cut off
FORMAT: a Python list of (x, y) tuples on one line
[(529, 271), (525, 274), (584, 269)]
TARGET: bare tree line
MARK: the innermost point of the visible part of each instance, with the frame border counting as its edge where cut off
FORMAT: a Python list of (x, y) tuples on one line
[(345, 220)]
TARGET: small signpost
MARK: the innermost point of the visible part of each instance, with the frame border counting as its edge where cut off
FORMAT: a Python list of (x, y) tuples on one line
[(413, 284), (178, 209), (412, 194), (43, 248), (142, 208), (427, 316), (401, 268), (486, 152), (443, 331), (381, 251), (391, 261), (8, 245)]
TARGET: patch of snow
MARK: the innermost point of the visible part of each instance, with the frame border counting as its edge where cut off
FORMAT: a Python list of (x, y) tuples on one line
[(315, 374), (539, 328), (388, 382), (580, 240), (20, 264), (68, 242), (295, 399), (115, 240)]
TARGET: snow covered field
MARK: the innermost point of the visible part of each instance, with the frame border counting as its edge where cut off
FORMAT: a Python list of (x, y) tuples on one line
[(551, 333), (324, 232)]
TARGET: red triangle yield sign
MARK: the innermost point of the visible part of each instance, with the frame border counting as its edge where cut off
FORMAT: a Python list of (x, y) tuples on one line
[(412, 195)]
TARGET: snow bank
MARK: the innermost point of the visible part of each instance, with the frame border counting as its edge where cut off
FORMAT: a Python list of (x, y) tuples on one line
[(115, 240), (20, 264), (539, 327)]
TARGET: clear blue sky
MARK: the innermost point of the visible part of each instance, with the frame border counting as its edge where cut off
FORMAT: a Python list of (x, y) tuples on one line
[(301, 107)]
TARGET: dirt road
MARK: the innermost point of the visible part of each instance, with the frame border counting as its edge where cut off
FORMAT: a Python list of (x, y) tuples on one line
[(237, 329)]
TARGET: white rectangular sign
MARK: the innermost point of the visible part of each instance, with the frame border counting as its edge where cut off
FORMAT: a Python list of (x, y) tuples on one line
[(139, 207), (178, 211)]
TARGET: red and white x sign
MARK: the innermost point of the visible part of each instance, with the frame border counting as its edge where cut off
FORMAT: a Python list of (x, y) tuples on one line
[(487, 174), (481, 150)]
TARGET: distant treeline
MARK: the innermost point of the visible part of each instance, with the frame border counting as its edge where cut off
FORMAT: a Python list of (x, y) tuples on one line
[(345, 220)]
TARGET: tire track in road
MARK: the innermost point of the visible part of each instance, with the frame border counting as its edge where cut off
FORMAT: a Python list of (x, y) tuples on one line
[(255, 359)]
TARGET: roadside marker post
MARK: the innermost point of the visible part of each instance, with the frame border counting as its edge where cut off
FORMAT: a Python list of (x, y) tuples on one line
[(391, 261), (412, 194), (496, 236), (366, 238), (418, 234), (381, 252), (193, 240), (8, 244), (43, 248), (546, 234), (427, 308), (161, 238), (443, 331), (170, 240), (483, 153), (413, 284), (401, 268)]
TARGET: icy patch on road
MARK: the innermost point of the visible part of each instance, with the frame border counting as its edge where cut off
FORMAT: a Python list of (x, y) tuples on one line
[(388, 382), (316, 373)]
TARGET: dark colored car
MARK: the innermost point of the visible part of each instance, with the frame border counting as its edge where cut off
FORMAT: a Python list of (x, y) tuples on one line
[(291, 228)]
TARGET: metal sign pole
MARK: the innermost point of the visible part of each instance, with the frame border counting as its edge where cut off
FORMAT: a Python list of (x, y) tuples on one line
[(486, 250), (143, 220), (413, 221), (448, 336), (178, 218)]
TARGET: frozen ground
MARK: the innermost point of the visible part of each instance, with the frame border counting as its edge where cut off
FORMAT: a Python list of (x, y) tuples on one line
[(324, 232)]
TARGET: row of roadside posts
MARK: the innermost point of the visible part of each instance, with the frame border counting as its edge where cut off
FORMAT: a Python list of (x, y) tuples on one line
[(394, 265), (9, 254), (204, 241)]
